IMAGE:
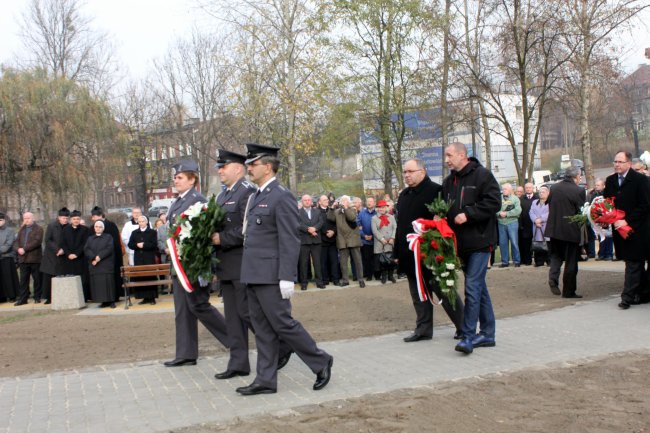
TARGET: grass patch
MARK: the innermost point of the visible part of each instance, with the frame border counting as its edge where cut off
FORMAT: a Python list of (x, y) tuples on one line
[(351, 185), (18, 317)]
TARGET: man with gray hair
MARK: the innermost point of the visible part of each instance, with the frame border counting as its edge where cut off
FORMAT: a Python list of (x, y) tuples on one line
[(348, 238), (565, 200)]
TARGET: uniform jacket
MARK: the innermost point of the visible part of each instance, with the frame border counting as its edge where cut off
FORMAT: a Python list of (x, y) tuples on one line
[(565, 199), (73, 241), (7, 237), (51, 263), (147, 254), (365, 223), (315, 221), (525, 223), (385, 233), (229, 253), (475, 192), (101, 246), (411, 205), (31, 245), (181, 204), (271, 242), (346, 236), (633, 197)]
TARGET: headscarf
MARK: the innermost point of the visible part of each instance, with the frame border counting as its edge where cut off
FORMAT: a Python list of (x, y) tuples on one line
[(99, 222), (145, 217)]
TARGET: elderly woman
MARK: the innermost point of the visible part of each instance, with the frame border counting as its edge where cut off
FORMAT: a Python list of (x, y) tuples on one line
[(383, 229), (144, 243), (539, 215), (100, 254)]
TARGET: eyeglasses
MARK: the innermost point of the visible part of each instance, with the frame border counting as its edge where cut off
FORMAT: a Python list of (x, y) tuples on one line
[(620, 162), (411, 171)]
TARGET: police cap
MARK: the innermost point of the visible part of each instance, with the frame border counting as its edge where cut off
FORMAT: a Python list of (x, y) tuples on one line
[(256, 151), (226, 157), (185, 165)]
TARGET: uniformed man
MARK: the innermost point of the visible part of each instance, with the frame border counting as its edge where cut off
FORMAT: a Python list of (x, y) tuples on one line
[(229, 243), (189, 308), (269, 264)]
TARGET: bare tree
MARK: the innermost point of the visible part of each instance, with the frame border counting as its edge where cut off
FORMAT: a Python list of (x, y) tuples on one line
[(592, 23), (61, 40)]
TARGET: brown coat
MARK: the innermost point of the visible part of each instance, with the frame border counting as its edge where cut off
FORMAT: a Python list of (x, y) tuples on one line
[(346, 236), (33, 250)]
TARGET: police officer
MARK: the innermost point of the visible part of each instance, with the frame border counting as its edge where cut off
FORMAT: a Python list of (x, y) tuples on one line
[(269, 264), (189, 308), (229, 244)]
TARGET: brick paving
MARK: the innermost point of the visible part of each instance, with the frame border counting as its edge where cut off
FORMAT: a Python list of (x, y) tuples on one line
[(147, 397)]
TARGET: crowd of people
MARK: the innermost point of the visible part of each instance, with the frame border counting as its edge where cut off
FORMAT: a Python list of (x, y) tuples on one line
[(268, 244)]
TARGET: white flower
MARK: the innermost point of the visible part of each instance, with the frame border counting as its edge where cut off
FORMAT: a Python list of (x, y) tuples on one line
[(450, 283), (186, 231), (450, 266), (444, 274), (194, 210)]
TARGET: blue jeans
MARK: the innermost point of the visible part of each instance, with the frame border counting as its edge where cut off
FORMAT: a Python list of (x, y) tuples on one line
[(478, 305), (509, 232), (606, 250)]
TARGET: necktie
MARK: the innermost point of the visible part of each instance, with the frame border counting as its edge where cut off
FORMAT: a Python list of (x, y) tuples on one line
[(620, 179), (309, 213)]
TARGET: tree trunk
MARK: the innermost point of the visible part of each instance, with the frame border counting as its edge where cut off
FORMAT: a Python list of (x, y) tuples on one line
[(445, 82)]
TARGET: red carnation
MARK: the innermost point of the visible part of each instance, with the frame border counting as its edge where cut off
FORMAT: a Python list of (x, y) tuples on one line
[(434, 244), (177, 231), (439, 259)]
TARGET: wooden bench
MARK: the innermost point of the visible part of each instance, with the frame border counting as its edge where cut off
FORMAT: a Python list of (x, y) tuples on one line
[(156, 275)]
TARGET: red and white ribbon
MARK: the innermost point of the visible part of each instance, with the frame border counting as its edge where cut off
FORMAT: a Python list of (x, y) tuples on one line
[(178, 266), (414, 240)]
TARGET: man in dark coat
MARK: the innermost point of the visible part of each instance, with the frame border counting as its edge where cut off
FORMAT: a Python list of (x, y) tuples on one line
[(475, 199), (329, 254), (631, 191), (311, 222), (110, 228), (28, 248), (411, 205), (190, 308), (526, 225), (144, 244), (269, 264), (565, 200), (52, 263)]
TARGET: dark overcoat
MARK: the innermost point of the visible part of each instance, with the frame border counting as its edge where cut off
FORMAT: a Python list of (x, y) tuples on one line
[(101, 246), (73, 241), (51, 263), (565, 199)]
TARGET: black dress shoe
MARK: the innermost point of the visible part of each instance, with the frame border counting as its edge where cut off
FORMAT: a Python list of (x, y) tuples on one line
[(229, 374), (458, 335), (320, 286), (573, 295), (179, 362), (254, 389), (323, 377), (343, 284), (37, 301), (554, 289), (144, 301), (303, 287), (362, 284), (623, 305), (415, 337), (47, 302), (283, 360), (19, 303), (112, 305)]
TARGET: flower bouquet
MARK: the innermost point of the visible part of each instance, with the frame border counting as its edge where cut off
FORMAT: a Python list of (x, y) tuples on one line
[(434, 245), (190, 242), (582, 217), (604, 213)]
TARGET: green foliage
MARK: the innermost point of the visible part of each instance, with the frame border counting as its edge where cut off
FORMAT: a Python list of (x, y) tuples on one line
[(440, 207), (196, 250), (351, 185), (439, 255)]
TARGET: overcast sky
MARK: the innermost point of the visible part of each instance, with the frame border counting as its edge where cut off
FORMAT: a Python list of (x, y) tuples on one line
[(143, 30)]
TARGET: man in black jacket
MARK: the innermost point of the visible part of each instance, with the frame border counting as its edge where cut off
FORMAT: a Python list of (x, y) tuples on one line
[(476, 198), (565, 200), (411, 205), (329, 254), (631, 191), (311, 222)]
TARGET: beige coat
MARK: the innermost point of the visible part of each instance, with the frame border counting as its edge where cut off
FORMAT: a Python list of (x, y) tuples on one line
[(346, 236)]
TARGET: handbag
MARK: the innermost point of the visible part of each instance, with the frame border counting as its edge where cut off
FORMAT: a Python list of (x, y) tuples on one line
[(386, 259), (539, 246)]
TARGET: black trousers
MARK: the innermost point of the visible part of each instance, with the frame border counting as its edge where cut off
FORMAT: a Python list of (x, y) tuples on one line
[(329, 263), (569, 253), (634, 279), (27, 270), (424, 310), (525, 252), (307, 251), (368, 261)]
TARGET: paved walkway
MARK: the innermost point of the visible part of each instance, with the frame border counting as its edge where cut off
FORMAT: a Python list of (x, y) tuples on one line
[(147, 397)]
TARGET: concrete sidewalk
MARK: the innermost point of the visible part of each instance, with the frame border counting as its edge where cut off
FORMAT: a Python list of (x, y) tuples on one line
[(147, 397)]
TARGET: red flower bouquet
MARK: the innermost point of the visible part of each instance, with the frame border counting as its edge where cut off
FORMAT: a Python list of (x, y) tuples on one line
[(603, 211)]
